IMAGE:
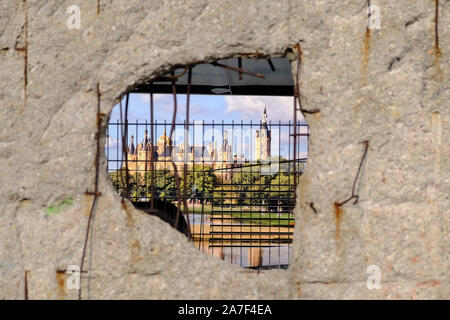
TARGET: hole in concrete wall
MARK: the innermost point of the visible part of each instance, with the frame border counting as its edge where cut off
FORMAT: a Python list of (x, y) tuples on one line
[(213, 150)]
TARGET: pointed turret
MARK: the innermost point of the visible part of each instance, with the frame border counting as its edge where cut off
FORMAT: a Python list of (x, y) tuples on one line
[(164, 145), (145, 141), (264, 115), (263, 138), (225, 141), (131, 149)]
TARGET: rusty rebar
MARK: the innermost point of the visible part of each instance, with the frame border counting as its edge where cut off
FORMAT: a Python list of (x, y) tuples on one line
[(272, 67), (26, 284), (122, 179), (173, 76), (175, 170), (186, 133), (240, 67), (152, 167), (355, 196), (436, 28), (95, 192), (295, 133), (240, 70), (124, 146)]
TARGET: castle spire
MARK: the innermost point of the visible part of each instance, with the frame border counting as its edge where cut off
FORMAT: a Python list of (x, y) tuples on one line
[(145, 141), (131, 146), (264, 115)]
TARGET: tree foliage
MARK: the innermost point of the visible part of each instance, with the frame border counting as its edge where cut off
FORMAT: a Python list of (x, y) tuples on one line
[(247, 188)]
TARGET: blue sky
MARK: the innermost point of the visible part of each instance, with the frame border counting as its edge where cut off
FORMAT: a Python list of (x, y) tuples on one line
[(207, 108)]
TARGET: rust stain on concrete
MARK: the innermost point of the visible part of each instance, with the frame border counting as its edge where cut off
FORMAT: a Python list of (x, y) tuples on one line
[(423, 285), (24, 50), (136, 251), (61, 281), (338, 217), (27, 275), (298, 286), (130, 221), (437, 49), (366, 55)]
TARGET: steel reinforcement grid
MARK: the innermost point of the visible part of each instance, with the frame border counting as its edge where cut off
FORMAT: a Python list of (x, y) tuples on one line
[(230, 187)]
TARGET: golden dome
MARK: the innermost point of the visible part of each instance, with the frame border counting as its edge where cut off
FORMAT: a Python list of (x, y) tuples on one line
[(164, 139)]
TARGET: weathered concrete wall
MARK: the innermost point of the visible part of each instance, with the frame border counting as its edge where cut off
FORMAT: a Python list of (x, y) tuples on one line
[(387, 86)]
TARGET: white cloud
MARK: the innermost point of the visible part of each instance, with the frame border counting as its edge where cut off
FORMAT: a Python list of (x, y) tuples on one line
[(251, 107), (113, 142), (156, 97), (145, 97)]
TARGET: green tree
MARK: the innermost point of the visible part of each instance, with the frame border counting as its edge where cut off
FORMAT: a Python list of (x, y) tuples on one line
[(119, 180), (282, 193), (200, 183), (165, 185)]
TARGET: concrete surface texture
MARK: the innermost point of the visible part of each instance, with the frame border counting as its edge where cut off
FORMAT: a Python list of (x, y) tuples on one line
[(389, 86)]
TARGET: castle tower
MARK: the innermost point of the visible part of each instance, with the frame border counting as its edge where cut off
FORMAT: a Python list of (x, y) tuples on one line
[(226, 148), (263, 140), (145, 141), (131, 149), (141, 153), (131, 156), (164, 150), (164, 142)]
